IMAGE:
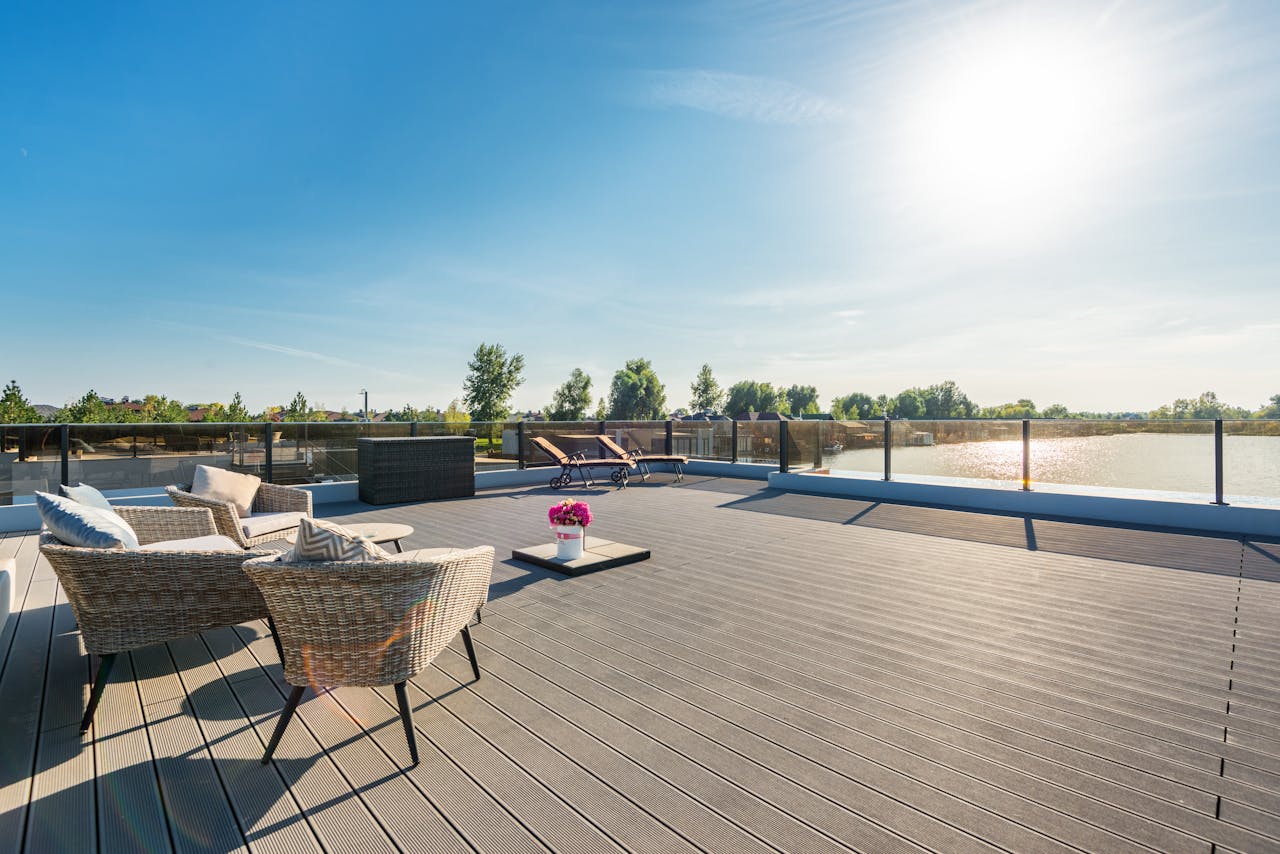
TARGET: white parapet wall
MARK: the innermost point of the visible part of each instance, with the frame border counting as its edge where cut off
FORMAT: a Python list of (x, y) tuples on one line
[(1128, 509)]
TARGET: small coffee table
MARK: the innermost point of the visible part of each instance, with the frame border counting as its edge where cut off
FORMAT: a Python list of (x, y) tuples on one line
[(378, 532)]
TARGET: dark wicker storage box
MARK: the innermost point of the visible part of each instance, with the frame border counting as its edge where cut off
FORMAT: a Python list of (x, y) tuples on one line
[(416, 469)]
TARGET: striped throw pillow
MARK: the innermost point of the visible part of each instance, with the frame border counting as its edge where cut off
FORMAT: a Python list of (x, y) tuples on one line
[(319, 540)]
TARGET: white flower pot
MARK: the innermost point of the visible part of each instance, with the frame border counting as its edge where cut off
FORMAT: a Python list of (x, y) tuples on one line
[(569, 540)]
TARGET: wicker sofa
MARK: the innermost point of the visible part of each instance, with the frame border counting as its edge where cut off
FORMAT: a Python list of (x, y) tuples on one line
[(370, 623), (276, 510), (124, 600)]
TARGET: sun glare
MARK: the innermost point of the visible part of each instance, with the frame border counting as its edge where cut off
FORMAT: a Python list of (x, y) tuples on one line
[(1009, 135)]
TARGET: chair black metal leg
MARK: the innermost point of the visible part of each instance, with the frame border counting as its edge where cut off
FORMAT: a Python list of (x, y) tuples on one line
[(402, 698), (290, 707), (275, 636), (479, 619), (471, 651), (99, 685)]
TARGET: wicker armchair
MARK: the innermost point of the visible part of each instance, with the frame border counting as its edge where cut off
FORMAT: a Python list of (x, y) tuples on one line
[(271, 498), (124, 600), (370, 623)]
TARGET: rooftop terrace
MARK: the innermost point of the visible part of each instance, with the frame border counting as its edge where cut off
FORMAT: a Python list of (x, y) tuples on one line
[(788, 673)]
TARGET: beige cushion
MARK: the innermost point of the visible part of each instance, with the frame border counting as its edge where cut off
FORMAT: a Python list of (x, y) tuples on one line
[(223, 485), (258, 524), (210, 543), (327, 541)]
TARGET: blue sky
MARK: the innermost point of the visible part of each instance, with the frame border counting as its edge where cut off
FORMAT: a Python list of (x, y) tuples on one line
[(1073, 202)]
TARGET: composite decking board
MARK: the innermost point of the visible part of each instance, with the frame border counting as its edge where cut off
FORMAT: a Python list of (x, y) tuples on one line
[(680, 811), (833, 619), (846, 791), (874, 791), (1133, 798), (617, 815), (534, 804), (11, 546), (21, 699), (808, 641), (264, 807), (830, 679), (408, 816), (340, 820), (131, 814), (755, 811), (195, 801), (1122, 612), (63, 811), (944, 745)]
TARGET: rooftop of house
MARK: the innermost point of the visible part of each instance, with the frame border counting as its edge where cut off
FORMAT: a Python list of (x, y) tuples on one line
[(787, 672)]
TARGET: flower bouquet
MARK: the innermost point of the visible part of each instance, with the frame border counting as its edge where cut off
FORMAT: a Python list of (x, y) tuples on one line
[(569, 519)]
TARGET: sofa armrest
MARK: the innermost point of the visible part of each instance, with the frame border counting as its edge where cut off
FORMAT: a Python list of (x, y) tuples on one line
[(157, 524), (272, 498), (224, 513)]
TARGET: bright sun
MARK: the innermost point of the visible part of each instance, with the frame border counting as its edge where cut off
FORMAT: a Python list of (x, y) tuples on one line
[(1010, 134)]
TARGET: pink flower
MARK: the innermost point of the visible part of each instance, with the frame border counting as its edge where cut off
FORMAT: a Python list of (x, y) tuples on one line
[(570, 512)]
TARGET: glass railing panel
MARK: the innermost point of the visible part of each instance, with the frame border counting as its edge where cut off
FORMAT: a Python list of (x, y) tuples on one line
[(853, 446), (30, 460), (143, 456), (981, 450), (568, 436), (649, 437), (497, 445), (1164, 456), (1251, 462), (804, 446), (758, 442), (703, 440), (320, 451)]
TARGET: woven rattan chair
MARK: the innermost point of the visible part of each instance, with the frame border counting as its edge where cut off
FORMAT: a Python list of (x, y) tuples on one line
[(125, 600), (370, 623), (271, 498)]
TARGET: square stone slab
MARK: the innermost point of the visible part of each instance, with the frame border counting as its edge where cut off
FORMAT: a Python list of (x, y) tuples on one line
[(597, 554)]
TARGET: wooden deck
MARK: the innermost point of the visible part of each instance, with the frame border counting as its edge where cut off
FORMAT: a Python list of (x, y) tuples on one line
[(788, 673)]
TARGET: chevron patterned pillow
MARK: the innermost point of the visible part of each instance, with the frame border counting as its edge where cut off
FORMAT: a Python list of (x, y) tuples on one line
[(319, 540)]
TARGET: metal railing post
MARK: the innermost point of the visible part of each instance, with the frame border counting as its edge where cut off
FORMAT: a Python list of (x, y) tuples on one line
[(413, 428), (64, 442), (670, 442), (1026, 455), (600, 431), (817, 444), (784, 455), (266, 452), (1217, 462), (520, 444), (733, 456), (888, 445)]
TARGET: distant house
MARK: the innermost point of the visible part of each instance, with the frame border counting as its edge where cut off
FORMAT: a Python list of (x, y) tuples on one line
[(197, 413), (817, 416), (704, 416), (763, 416)]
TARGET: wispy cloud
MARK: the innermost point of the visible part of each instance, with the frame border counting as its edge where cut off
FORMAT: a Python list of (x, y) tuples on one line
[(311, 355), (739, 96)]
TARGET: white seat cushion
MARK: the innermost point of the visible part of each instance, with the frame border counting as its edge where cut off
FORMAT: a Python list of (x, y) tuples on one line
[(269, 523), (210, 543), (222, 485)]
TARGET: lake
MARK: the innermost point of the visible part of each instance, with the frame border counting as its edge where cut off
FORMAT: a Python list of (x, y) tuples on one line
[(1154, 461)]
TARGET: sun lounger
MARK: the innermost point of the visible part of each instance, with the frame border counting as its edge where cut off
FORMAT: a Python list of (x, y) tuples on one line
[(569, 463), (642, 459)]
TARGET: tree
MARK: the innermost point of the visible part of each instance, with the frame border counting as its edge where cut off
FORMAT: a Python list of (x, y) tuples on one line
[(16, 409), (1272, 410), (602, 410), (802, 399), (489, 385), (707, 394), (946, 400), (909, 404), (572, 400), (158, 408), (751, 396), (1055, 410), (636, 393), (236, 410), (300, 410), (89, 409), (1023, 408), (456, 419), (859, 406)]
